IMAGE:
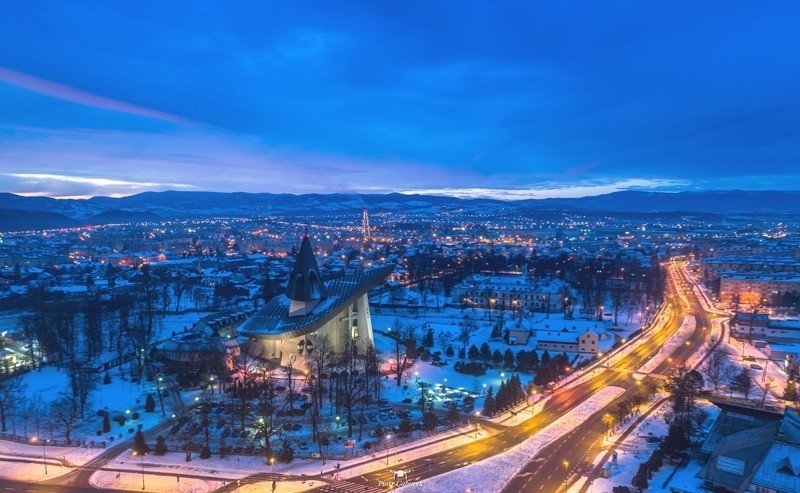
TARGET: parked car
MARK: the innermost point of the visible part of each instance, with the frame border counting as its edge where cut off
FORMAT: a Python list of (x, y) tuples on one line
[(756, 367)]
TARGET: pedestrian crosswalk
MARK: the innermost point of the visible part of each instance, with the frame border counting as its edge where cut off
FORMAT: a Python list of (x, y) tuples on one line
[(342, 486)]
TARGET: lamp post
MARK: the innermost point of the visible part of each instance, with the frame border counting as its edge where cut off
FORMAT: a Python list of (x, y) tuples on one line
[(34, 440), (160, 396), (477, 424), (533, 401), (272, 463), (387, 448), (141, 456)]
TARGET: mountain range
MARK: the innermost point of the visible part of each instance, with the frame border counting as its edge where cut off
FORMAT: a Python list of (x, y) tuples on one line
[(18, 213)]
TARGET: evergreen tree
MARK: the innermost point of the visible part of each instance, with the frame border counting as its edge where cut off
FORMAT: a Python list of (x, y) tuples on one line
[(497, 357), (161, 445), (430, 420), (473, 353), (508, 359), (106, 423), (449, 352), (139, 444), (489, 403), (534, 360), (640, 479), (427, 339), (522, 359), (486, 353), (286, 454), (150, 404), (405, 425), (379, 433), (452, 414), (461, 353), (267, 288)]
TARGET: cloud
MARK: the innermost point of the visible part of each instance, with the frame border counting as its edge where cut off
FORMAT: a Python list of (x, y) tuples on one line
[(553, 190), (69, 186), (77, 96)]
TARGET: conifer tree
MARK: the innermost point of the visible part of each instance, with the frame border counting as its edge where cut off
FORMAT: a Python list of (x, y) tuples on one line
[(161, 446), (490, 404), (150, 404), (139, 444)]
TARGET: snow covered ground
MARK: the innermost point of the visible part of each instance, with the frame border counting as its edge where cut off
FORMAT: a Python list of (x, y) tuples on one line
[(501, 468), (636, 449)]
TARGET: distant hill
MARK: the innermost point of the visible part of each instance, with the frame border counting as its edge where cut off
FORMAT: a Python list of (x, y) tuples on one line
[(123, 217), (720, 202), (20, 220), (155, 206)]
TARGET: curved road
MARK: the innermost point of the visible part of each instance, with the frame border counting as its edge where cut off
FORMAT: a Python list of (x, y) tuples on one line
[(561, 462)]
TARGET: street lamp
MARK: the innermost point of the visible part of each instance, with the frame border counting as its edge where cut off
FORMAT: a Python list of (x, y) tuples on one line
[(337, 422), (160, 396), (272, 463), (477, 424), (502, 376), (141, 456), (44, 452), (387, 448)]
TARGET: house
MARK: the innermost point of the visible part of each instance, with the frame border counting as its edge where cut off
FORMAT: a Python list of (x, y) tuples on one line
[(762, 458)]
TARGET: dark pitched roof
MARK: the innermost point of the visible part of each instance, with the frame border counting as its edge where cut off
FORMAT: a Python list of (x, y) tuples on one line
[(273, 321), (305, 283)]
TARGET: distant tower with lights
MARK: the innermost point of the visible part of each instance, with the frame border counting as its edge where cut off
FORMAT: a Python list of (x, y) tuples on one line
[(365, 226)]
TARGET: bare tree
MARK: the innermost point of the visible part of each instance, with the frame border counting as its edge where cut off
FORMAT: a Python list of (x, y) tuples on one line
[(467, 327), (717, 366), (320, 358), (62, 415), (352, 385), (404, 349), (769, 384), (12, 391)]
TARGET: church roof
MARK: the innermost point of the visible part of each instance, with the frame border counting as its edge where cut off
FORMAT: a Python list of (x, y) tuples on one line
[(273, 321), (305, 282)]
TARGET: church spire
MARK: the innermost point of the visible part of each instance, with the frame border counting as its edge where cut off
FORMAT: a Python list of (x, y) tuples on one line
[(305, 288)]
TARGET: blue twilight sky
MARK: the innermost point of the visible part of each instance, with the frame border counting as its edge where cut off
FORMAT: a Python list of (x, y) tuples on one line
[(503, 99)]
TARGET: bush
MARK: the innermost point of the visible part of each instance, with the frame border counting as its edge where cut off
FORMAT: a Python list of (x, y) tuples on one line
[(135, 415), (470, 368), (205, 453), (107, 379)]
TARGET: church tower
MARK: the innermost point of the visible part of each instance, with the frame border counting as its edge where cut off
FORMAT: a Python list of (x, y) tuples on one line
[(305, 288)]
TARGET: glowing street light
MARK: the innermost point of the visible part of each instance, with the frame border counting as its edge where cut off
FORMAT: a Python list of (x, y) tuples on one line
[(44, 452), (141, 456), (387, 448)]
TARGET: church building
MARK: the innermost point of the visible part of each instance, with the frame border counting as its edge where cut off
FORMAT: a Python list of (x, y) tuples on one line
[(280, 332)]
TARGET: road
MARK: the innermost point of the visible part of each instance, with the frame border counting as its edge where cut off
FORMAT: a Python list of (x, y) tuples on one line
[(14, 486), (569, 456), (564, 461)]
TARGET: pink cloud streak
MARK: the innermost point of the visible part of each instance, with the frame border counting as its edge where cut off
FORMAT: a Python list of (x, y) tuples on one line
[(66, 93)]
